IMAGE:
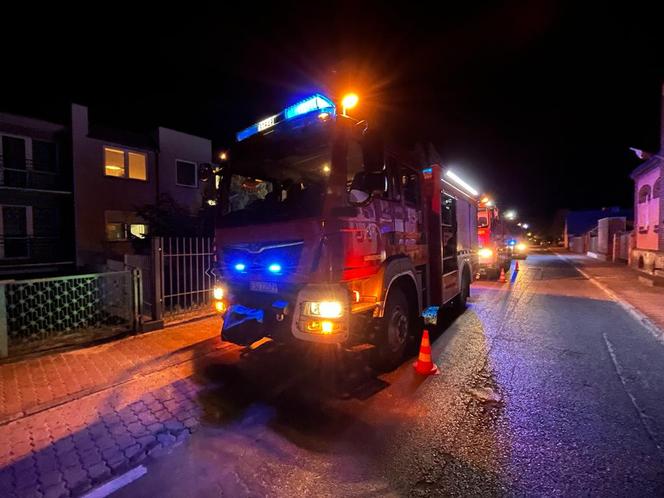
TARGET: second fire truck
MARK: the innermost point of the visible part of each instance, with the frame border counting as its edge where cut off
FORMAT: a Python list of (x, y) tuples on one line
[(494, 253)]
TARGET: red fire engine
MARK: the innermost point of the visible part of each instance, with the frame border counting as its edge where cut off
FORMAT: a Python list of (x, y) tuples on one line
[(339, 240), (492, 236)]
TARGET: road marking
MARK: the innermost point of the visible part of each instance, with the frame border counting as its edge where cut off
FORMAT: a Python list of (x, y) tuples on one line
[(645, 419), (649, 325), (118, 483)]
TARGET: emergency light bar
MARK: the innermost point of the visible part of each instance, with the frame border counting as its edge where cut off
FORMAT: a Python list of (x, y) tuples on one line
[(315, 103), (461, 183)]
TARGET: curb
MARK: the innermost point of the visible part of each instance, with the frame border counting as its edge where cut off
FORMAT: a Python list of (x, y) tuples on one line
[(652, 327)]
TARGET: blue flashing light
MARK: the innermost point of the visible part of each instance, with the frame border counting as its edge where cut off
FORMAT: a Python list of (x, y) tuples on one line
[(512, 242), (274, 268), (427, 170), (315, 103), (240, 266)]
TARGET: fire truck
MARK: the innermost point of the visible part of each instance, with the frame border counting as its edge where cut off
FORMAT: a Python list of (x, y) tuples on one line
[(325, 235), (494, 253)]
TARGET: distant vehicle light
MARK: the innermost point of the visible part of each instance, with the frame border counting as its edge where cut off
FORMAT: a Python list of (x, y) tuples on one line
[(240, 266), (521, 247), (485, 253), (326, 168), (274, 268), (218, 293)]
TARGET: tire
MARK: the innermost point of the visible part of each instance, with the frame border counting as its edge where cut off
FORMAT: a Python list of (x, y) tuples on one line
[(395, 331)]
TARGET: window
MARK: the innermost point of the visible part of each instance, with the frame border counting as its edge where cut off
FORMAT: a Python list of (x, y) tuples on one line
[(44, 156), (137, 169), (138, 230), (45, 221), (409, 182), (186, 173), (644, 194), (125, 164), (115, 231), (15, 231), (657, 188), (114, 162), (13, 152), (448, 211)]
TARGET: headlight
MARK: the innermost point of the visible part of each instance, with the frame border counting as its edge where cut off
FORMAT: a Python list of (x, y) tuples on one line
[(521, 247), (485, 253), (324, 309), (218, 293)]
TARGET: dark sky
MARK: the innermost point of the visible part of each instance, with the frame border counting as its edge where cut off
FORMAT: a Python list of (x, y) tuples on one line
[(536, 102)]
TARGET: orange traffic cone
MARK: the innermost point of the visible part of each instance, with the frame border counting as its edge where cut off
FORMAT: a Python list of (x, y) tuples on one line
[(516, 267), (502, 278), (424, 365)]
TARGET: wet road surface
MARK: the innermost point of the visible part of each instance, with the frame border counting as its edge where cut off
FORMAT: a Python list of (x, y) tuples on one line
[(546, 388)]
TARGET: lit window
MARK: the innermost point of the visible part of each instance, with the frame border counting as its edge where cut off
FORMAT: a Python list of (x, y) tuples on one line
[(137, 169), (186, 173), (139, 230), (115, 231), (124, 164), (114, 164)]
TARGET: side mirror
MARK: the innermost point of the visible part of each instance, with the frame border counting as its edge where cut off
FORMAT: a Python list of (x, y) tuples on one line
[(365, 185)]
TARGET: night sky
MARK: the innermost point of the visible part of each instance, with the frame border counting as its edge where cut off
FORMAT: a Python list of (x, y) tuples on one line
[(536, 102)]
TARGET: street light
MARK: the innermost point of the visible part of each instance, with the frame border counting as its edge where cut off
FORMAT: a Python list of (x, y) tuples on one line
[(349, 101), (525, 225), (510, 215)]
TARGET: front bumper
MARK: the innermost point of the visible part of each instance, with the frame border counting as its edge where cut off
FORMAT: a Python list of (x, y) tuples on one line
[(253, 316)]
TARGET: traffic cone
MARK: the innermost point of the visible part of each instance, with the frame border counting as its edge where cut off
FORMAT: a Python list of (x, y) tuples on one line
[(502, 278), (424, 365), (516, 267)]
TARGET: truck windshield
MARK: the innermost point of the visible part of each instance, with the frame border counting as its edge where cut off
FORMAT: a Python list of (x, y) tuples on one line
[(277, 177), (482, 219)]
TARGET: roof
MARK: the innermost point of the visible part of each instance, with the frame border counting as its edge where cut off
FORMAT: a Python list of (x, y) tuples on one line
[(579, 222), (651, 163)]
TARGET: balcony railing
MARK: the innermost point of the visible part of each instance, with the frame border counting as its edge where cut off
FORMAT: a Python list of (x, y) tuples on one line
[(32, 176), (32, 249)]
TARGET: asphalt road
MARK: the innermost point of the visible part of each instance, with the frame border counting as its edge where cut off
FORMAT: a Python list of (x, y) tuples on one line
[(546, 388)]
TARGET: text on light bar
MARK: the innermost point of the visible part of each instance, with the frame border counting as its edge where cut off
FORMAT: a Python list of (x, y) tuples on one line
[(460, 182)]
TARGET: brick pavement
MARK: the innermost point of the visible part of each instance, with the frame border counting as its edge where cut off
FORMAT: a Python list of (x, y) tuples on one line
[(105, 409), (623, 282)]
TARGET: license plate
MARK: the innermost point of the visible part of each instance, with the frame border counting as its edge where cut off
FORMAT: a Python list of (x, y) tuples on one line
[(269, 287)]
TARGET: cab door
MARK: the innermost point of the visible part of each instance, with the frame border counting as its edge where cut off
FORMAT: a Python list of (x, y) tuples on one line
[(448, 217)]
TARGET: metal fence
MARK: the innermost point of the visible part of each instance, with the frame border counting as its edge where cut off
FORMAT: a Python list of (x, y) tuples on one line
[(47, 312), (184, 275)]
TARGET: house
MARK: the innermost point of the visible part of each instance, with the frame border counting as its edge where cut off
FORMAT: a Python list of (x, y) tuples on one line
[(592, 230), (36, 200), (648, 255), (70, 194)]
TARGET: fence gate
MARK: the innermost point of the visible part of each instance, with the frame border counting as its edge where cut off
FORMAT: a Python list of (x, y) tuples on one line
[(184, 276)]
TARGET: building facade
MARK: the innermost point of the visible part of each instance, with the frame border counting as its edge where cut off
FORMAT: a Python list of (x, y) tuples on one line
[(36, 197), (648, 255), (71, 194)]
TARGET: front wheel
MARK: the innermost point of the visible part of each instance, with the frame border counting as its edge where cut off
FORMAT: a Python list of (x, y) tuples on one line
[(395, 331), (464, 293)]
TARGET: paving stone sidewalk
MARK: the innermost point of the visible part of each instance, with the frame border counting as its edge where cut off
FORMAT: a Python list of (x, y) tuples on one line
[(128, 400), (624, 283)]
